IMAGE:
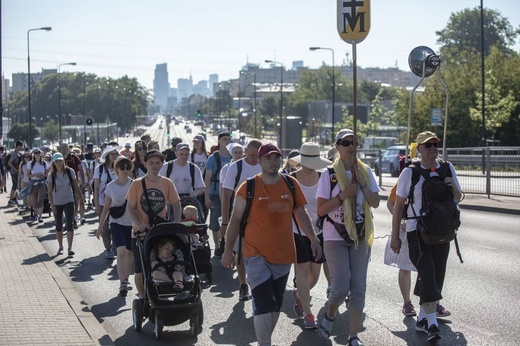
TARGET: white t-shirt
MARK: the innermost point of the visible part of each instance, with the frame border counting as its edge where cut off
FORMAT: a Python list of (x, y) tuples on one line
[(181, 177), (199, 160), (310, 207), (117, 194), (37, 168), (103, 181), (329, 232), (25, 168), (403, 188), (248, 171)]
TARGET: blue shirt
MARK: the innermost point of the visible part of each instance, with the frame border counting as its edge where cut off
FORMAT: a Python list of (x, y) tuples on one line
[(211, 165)]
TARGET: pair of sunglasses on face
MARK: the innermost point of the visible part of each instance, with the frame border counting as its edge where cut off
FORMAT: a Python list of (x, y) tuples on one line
[(431, 144), (125, 166), (346, 142)]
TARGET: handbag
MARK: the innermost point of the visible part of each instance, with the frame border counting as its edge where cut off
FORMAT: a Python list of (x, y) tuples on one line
[(342, 231), (153, 218), (117, 212)]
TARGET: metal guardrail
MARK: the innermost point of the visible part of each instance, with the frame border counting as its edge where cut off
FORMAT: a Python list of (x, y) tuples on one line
[(480, 170)]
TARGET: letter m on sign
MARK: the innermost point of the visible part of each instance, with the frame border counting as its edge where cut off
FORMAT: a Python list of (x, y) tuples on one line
[(353, 18)]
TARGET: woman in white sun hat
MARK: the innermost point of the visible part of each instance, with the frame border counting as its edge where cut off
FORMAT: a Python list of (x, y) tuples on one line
[(307, 269)]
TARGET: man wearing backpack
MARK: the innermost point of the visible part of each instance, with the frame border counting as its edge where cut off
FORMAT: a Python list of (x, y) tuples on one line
[(185, 175), (430, 260), (236, 174), (269, 249), (13, 164), (215, 162)]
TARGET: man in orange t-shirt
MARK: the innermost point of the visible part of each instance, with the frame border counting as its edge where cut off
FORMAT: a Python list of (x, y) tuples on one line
[(269, 249)]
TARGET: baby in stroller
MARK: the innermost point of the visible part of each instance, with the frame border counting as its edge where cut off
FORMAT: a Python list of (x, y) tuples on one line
[(162, 267), (190, 215)]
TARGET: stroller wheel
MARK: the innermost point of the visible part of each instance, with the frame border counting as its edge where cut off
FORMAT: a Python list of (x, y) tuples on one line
[(209, 277), (197, 320), (137, 315), (159, 324)]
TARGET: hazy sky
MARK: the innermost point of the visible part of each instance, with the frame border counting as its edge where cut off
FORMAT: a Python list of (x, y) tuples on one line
[(128, 37)]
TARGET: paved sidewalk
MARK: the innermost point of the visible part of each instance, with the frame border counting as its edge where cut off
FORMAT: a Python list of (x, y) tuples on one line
[(39, 305)]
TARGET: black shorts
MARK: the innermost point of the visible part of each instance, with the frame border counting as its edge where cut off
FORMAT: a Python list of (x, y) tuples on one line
[(304, 251)]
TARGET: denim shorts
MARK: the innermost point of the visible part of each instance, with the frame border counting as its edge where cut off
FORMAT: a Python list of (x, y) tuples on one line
[(121, 235)]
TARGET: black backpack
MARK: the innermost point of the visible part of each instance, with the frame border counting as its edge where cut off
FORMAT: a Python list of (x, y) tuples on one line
[(439, 216), (169, 170), (215, 176)]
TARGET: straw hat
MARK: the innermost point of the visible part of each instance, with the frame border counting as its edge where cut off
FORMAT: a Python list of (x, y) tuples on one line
[(310, 157)]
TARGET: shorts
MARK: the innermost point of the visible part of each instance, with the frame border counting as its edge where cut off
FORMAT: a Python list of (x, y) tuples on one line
[(121, 235), (267, 282), (138, 268), (304, 251), (216, 212)]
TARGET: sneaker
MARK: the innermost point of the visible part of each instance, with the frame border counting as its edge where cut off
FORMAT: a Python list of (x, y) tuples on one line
[(422, 325), (297, 307), (434, 333), (409, 309), (123, 289), (40, 220), (71, 253), (243, 292), (128, 285), (11, 202), (82, 221), (309, 322), (60, 250), (217, 253), (441, 311), (109, 254), (75, 224)]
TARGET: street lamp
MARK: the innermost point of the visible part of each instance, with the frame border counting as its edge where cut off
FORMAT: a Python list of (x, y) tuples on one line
[(280, 143), (47, 28), (59, 95), (333, 87)]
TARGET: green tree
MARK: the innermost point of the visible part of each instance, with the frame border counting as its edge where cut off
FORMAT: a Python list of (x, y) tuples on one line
[(464, 27), (21, 132)]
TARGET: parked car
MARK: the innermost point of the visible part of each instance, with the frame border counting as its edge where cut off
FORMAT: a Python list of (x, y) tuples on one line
[(390, 160)]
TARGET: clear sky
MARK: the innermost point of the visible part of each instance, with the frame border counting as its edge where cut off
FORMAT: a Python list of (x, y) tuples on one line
[(114, 38)]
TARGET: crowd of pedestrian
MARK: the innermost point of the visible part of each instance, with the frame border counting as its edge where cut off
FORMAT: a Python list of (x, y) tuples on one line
[(263, 216)]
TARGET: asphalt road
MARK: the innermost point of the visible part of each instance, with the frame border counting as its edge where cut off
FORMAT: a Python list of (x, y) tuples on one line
[(482, 293)]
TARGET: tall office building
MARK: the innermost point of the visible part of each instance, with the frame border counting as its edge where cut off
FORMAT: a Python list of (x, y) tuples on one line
[(161, 86)]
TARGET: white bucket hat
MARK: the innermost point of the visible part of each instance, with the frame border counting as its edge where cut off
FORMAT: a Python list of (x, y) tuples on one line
[(310, 157), (108, 150)]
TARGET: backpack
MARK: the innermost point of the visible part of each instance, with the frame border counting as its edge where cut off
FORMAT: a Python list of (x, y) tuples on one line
[(249, 201), (439, 216), (192, 172), (215, 176), (16, 161)]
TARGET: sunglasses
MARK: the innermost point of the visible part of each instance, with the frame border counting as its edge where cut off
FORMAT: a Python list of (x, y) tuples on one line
[(140, 148), (346, 143), (124, 167), (431, 144)]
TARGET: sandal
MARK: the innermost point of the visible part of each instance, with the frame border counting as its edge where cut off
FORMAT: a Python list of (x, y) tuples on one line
[(354, 341), (323, 332)]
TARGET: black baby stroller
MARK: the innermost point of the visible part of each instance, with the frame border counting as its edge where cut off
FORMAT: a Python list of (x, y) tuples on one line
[(163, 305), (202, 253)]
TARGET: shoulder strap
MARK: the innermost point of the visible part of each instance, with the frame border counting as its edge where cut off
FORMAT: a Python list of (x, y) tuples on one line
[(249, 201), (333, 182), (151, 213), (192, 156), (169, 169), (192, 174), (239, 173), (291, 187)]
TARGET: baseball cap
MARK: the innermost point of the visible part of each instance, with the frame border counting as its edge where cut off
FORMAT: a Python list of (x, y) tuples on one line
[(57, 156), (37, 151), (224, 134), (344, 133), (182, 146), (268, 149), (128, 145), (154, 153), (425, 136), (198, 138)]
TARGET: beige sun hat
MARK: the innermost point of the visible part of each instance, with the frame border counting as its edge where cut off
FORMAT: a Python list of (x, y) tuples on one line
[(310, 157)]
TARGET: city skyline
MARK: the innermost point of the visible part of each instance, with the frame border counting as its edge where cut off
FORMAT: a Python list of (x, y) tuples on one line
[(117, 38)]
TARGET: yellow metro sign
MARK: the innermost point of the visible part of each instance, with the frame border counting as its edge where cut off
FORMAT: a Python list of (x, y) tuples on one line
[(353, 20)]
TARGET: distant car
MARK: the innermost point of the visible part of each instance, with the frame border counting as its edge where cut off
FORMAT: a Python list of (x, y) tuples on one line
[(177, 122), (390, 160), (188, 129), (186, 126), (161, 126)]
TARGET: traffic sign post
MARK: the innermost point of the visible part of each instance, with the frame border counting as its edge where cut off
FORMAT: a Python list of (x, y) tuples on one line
[(436, 116)]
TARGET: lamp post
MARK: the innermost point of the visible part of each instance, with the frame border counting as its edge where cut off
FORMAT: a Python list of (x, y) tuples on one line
[(280, 137), (59, 95), (47, 28), (333, 86)]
